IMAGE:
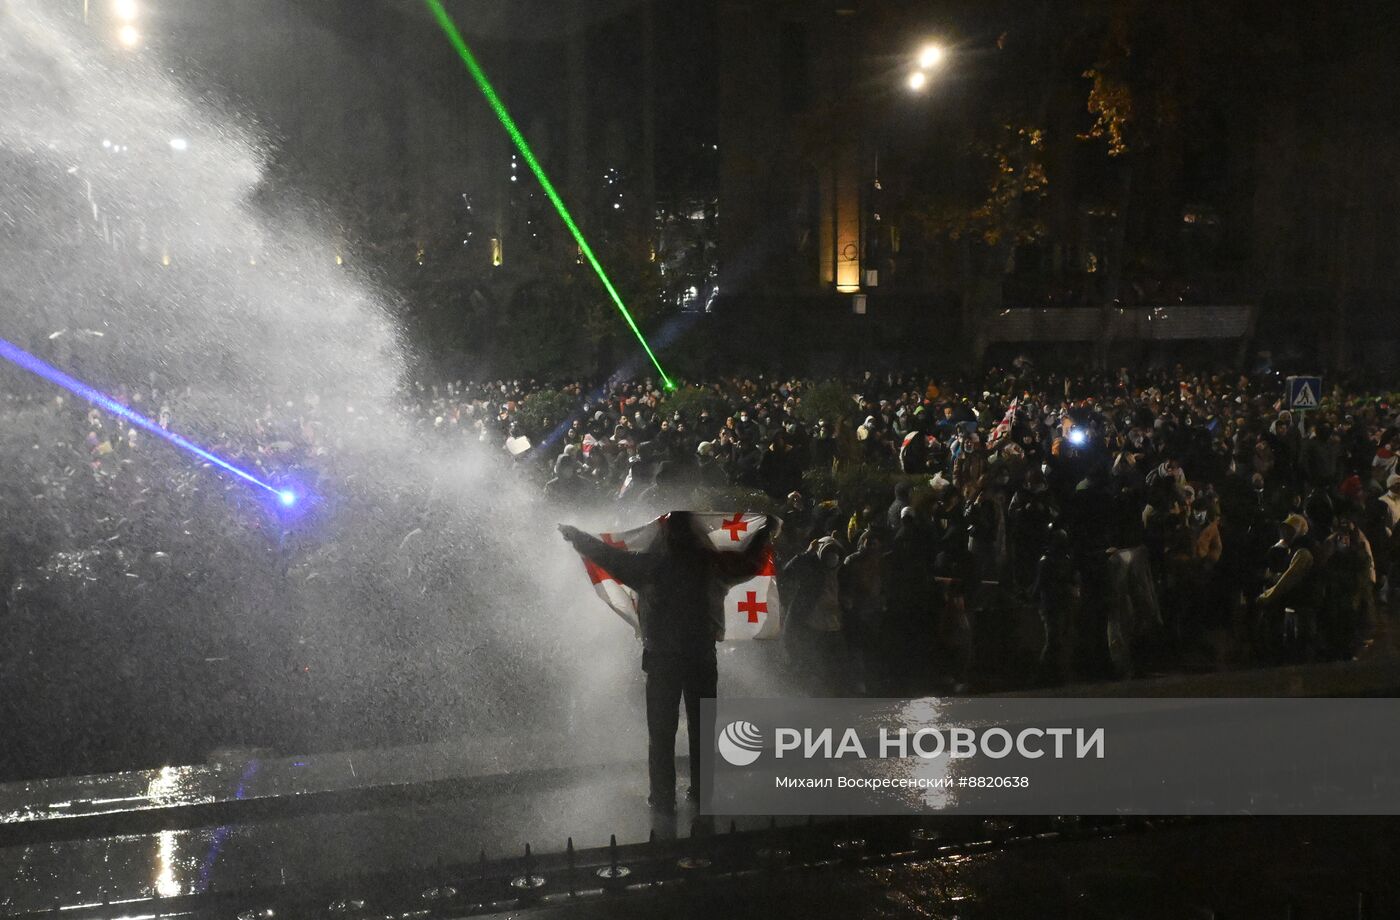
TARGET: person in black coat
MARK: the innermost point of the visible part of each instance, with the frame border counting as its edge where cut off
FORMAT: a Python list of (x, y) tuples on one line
[(679, 583), (813, 634), (1056, 592)]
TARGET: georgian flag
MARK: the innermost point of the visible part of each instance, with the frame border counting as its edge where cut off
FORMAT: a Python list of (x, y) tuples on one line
[(1003, 427), (751, 608)]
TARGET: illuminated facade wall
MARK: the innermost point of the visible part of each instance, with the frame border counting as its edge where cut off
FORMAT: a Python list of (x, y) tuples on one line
[(840, 222), (791, 146)]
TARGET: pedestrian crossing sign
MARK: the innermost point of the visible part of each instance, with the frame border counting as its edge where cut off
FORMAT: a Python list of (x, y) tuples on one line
[(1304, 392)]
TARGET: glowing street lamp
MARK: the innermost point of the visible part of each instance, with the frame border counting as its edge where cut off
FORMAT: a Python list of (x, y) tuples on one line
[(129, 36), (930, 57), (125, 10)]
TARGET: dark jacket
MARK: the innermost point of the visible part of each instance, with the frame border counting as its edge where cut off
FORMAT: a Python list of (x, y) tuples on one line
[(680, 584), (1053, 588), (803, 579)]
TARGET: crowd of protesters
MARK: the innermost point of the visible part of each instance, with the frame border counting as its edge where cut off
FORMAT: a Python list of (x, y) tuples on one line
[(1138, 518), (1171, 517)]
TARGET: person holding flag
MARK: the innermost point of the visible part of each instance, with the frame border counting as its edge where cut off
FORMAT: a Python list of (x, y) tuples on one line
[(674, 581)]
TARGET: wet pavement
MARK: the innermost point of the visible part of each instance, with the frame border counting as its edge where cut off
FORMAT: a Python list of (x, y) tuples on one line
[(213, 827), (307, 849), (167, 794), (1257, 868), (285, 823)]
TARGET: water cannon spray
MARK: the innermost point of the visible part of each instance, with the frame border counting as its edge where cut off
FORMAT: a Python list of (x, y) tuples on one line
[(40, 368)]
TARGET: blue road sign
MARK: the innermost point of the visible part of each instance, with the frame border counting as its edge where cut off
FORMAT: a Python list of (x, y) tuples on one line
[(1303, 392)]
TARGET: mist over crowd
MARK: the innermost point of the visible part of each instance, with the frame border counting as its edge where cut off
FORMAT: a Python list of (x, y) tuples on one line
[(931, 526)]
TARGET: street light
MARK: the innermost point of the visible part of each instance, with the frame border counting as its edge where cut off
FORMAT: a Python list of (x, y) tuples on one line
[(129, 36), (930, 56), (125, 10)]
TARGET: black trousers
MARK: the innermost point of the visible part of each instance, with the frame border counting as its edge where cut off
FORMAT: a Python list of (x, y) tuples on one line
[(672, 678)]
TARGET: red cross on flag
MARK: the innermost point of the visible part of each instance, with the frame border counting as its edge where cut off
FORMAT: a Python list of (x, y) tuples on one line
[(750, 607)]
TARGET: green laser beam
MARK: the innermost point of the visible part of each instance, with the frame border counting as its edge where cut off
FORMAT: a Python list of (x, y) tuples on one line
[(449, 28)]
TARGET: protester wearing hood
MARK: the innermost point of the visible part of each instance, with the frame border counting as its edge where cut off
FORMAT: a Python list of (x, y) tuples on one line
[(1029, 515), (863, 601), (1286, 444), (914, 608), (675, 582), (1320, 457), (1056, 590), (1165, 483), (902, 491), (569, 472), (813, 635), (1349, 615), (709, 471)]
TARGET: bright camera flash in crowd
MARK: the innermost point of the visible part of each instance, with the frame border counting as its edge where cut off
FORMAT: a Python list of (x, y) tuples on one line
[(917, 80), (129, 36), (930, 56), (1077, 437), (287, 497)]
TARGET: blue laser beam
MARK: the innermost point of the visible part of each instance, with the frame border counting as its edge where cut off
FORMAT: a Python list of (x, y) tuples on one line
[(24, 359)]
